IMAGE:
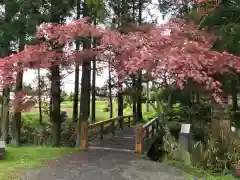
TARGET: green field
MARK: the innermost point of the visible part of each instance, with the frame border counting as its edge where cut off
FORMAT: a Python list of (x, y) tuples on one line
[(33, 115)]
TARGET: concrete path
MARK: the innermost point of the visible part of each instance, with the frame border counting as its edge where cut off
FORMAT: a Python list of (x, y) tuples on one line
[(102, 165)]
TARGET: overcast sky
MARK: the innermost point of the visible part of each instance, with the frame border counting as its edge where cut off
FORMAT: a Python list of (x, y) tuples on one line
[(68, 82)]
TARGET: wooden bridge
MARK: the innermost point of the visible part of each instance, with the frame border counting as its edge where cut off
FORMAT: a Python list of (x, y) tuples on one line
[(119, 134)]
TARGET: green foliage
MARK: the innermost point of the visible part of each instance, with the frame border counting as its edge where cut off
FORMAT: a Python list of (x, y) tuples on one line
[(213, 157), (128, 100), (194, 172), (70, 97), (149, 115), (125, 105), (219, 154), (225, 19), (97, 9), (64, 116), (30, 119), (106, 109), (175, 113), (64, 96)]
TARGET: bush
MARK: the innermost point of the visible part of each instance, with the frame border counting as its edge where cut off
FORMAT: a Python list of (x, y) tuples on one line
[(219, 154), (30, 119), (149, 115), (214, 154), (70, 97), (106, 109), (125, 105)]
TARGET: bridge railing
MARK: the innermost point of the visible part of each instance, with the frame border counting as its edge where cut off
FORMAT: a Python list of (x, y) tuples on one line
[(98, 129), (145, 133)]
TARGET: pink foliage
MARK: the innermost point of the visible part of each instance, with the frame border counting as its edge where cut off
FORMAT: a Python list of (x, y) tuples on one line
[(175, 48)]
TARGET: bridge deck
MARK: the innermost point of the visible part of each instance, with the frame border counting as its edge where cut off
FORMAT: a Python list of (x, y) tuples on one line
[(123, 140)]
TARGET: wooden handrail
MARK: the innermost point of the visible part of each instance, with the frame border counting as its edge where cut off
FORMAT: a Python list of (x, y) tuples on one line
[(101, 127), (90, 126), (149, 123), (146, 131)]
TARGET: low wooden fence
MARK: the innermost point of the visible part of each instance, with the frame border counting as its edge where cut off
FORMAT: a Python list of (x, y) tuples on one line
[(98, 129), (145, 134)]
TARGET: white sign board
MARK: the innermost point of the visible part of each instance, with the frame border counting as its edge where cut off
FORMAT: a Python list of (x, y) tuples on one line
[(2, 145), (233, 129), (185, 128)]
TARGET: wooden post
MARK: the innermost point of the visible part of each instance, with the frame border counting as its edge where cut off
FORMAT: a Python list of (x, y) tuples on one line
[(120, 120), (152, 130), (84, 135), (113, 127), (157, 124), (101, 131), (129, 121), (147, 132), (139, 139)]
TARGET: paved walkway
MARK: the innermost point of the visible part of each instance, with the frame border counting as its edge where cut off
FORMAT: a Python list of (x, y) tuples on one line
[(102, 165)]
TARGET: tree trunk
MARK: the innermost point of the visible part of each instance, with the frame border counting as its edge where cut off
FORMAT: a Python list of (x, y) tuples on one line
[(55, 88), (16, 121), (76, 83), (40, 86), (76, 93), (94, 91), (17, 117), (139, 99), (85, 85), (234, 92), (1, 117), (5, 116), (148, 97), (50, 106), (139, 80), (56, 109), (40, 98), (120, 103), (6, 91), (86, 79), (85, 92), (110, 90), (134, 103), (94, 83)]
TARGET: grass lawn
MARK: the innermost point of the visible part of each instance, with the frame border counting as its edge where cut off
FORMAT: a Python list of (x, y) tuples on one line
[(33, 116), (17, 159), (194, 173)]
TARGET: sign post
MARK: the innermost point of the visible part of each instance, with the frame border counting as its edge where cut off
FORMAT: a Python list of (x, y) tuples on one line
[(185, 138)]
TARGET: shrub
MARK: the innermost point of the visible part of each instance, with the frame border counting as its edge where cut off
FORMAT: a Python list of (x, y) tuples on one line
[(219, 154), (149, 115), (213, 154), (125, 105), (106, 109)]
